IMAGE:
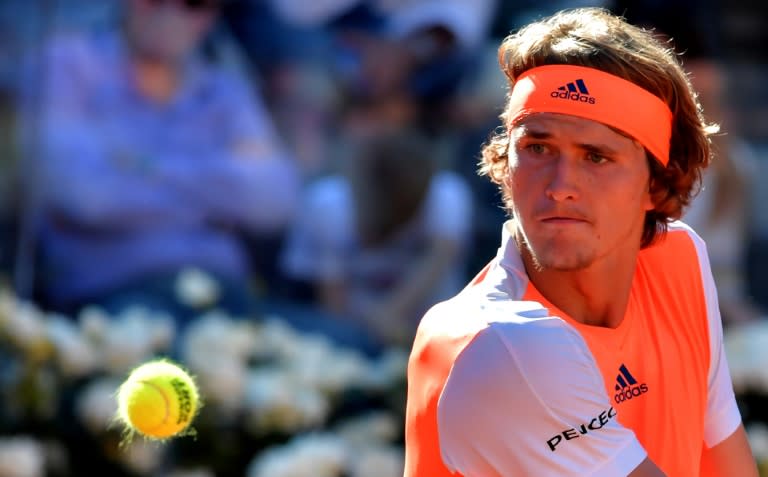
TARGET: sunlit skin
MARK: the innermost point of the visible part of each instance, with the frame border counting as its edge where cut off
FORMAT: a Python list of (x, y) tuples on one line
[(579, 191)]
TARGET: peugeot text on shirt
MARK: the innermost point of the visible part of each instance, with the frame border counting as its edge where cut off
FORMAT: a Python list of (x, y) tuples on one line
[(595, 424)]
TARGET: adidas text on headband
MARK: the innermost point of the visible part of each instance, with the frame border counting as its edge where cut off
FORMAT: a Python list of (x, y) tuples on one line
[(594, 94)]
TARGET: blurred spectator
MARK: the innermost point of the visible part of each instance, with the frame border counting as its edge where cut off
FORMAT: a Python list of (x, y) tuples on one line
[(292, 61), (152, 158), (17, 30), (510, 16), (8, 193), (335, 64), (408, 68), (386, 239), (720, 213)]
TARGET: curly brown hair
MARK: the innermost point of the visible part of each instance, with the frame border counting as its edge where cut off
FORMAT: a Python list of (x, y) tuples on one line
[(595, 38)]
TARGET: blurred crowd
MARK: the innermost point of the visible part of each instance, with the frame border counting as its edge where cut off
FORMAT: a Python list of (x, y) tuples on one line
[(273, 192)]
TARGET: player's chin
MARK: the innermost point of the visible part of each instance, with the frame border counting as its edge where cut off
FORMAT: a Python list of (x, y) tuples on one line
[(563, 257)]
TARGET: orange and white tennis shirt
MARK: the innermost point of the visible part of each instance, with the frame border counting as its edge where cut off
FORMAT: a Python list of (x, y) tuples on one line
[(502, 383)]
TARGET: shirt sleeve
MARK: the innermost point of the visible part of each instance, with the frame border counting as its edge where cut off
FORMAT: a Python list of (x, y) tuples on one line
[(528, 399), (722, 413)]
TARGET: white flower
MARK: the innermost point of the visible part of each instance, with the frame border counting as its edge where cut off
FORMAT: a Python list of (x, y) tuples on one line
[(21, 457), (378, 462), (196, 289), (94, 322), (274, 400), (221, 380), (387, 370), (746, 346), (96, 405), (192, 473), (163, 331), (25, 325), (129, 340), (375, 427), (207, 332), (277, 338), (316, 363), (310, 455), (76, 355), (757, 433), (142, 456), (243, 338), (215, 333), (7, 308)]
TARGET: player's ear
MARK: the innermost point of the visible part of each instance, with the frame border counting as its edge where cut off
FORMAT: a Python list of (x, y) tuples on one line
[(654, 194), (648, 203)]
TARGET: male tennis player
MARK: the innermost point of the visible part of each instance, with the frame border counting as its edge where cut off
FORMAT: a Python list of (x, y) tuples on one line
[(592, 344)]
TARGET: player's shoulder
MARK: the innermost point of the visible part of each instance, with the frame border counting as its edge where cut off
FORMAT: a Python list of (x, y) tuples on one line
[(544, 352), (679, 230), (517, 323), (680, 244)]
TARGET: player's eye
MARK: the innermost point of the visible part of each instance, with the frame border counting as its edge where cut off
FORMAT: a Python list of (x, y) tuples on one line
[(596, 158), (537, 148)]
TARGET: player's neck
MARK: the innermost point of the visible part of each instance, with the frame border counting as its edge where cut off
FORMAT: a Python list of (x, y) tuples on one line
[(596, 296)]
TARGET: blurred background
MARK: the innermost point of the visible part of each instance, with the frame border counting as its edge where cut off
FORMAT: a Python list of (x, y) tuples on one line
[(272, 192)]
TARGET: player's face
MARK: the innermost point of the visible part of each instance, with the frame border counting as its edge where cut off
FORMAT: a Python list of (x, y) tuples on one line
[(579, 191)]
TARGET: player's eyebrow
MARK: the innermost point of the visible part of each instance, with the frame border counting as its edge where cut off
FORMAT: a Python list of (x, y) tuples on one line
[(527, 131), (597, 148)]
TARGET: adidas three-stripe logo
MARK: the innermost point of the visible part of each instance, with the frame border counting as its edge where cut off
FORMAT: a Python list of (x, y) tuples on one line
[(627, 386), (575, 90), (624, 378), (574, 86)]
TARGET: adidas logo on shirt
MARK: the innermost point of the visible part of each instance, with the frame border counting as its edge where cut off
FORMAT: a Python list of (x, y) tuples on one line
[(575, 91), (627, 387)]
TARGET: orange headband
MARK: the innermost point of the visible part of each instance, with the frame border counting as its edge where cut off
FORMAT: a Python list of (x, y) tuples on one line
[(594, 94)]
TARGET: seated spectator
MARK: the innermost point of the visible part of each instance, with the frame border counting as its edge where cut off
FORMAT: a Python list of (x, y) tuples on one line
[(337, 64), (152, 159), (409, 67), (386, 239), (720, 212)]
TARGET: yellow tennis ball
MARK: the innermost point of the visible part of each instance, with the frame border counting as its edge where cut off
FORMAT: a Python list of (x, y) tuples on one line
[(159, 400)]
